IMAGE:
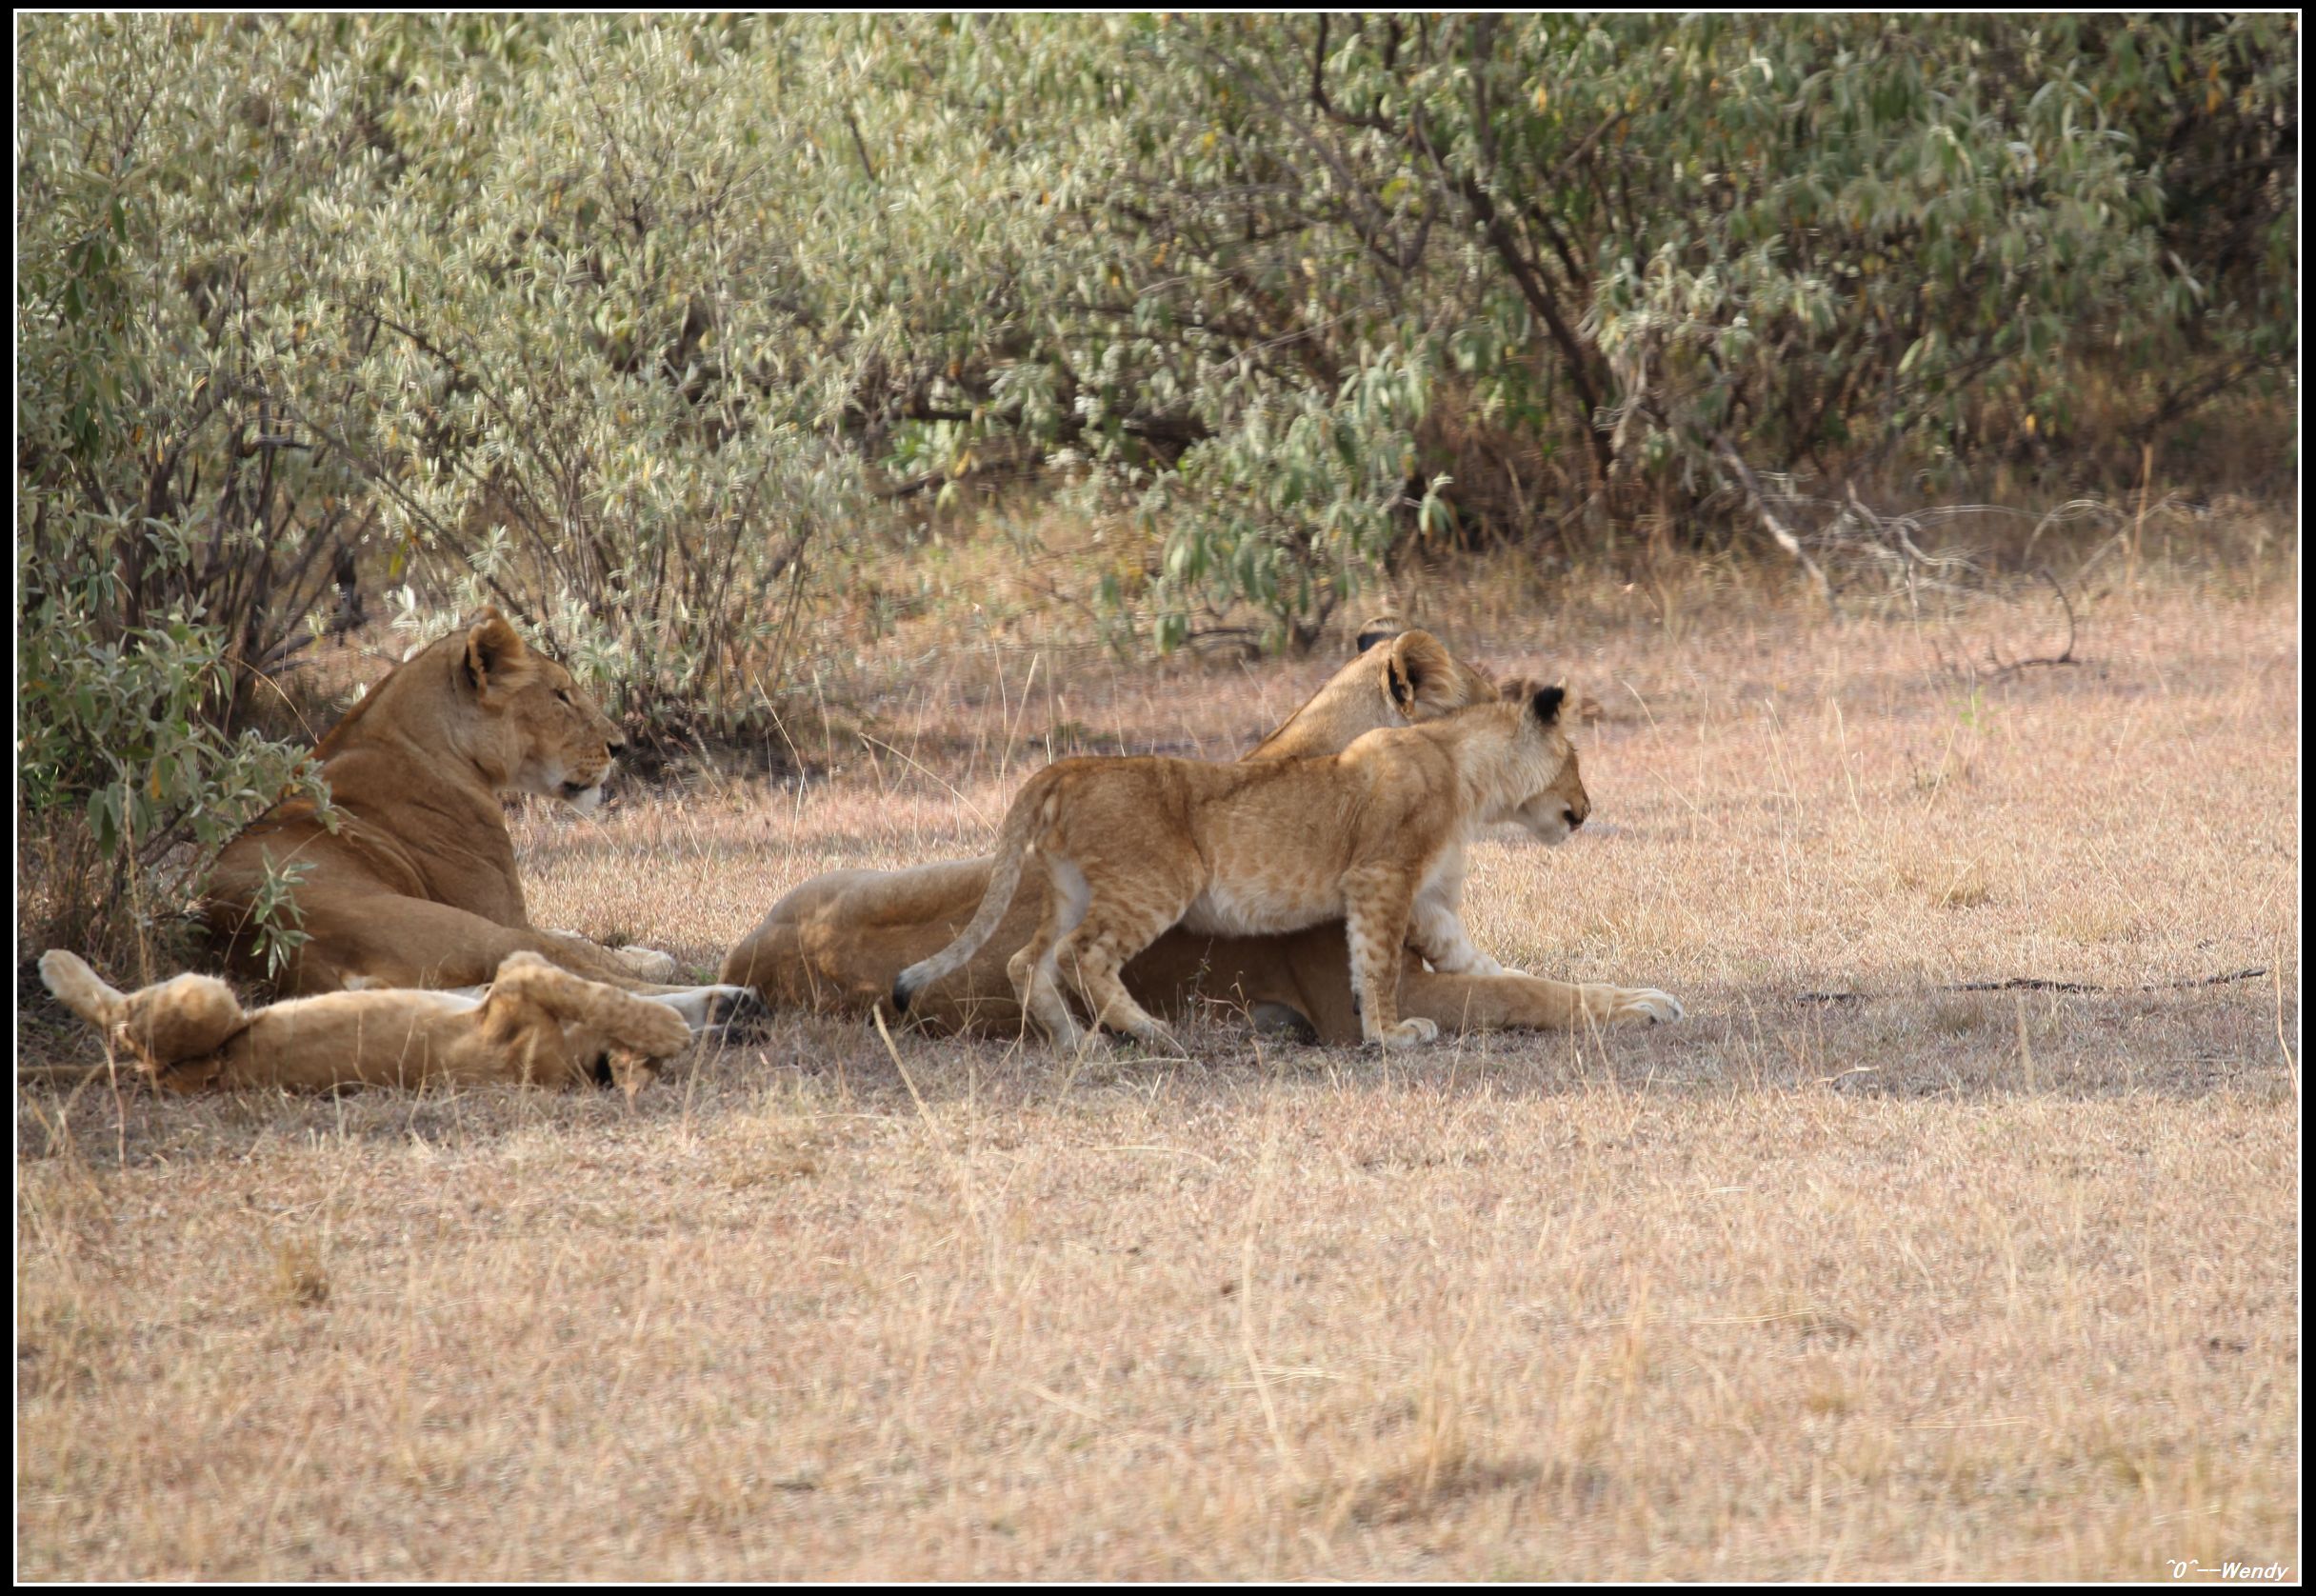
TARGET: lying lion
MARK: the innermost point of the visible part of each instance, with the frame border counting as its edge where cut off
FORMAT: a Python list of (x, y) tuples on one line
[(417, 886), (836, 943), (1374, 835), (535, 1025)]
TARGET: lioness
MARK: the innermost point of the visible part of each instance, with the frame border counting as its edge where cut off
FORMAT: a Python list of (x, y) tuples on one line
[(1375, 834), (417, 886), (838, 941), (537, 1024)]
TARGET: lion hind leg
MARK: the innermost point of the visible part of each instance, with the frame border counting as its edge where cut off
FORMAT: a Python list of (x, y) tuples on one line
[(1031, 969), (80, 988), (1032, 972), (1111, 933), (165, 1024), (638, 1023)]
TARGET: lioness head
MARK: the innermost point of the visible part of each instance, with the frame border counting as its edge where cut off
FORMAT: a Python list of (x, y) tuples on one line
[(1400, 678), (1552, 811), (546, 734)]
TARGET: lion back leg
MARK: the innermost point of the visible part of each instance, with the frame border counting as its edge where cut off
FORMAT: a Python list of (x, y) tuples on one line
[(1128, 917), (164, 1025), (1031, 969)]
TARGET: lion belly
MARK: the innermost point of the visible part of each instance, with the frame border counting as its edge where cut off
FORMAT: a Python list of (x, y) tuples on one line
[(1262, 907)]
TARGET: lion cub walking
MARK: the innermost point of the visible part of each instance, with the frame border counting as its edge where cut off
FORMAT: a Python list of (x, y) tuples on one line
[(1374, 835)]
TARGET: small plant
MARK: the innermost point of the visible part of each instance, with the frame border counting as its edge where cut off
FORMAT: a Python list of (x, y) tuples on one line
[(277, 923)]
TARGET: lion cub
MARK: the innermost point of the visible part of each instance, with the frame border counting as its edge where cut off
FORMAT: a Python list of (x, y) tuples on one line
[(1374, 835), (532, 1023)]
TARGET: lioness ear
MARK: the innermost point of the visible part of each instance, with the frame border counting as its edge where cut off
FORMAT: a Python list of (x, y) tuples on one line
[(495, 653), (1417, 660), (1547, 705), (1377, 629), (1519, 689)]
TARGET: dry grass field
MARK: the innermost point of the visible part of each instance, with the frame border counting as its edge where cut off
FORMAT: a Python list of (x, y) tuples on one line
[(1852, 1274)]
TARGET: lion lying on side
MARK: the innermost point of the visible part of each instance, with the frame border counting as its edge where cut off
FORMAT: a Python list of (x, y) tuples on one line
[(417, 886), (536, 1025), (1374, 835), (838, 941)]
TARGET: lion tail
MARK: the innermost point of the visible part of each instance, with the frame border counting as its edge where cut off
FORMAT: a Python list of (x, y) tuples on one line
[(164, 1025), (1032, 810)]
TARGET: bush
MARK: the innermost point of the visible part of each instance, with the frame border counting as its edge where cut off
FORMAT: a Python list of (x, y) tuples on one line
[(618, 322)]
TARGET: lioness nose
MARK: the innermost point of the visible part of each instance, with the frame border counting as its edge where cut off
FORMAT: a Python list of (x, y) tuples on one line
[(1576, 816), (617, 744)]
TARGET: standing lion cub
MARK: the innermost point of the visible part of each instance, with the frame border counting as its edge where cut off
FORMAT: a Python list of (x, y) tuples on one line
[(1374, 835)]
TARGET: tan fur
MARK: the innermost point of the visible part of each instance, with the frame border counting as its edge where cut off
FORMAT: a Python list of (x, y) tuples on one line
[(1375, 834), (836, 943), (417, 886), (536, 1025)]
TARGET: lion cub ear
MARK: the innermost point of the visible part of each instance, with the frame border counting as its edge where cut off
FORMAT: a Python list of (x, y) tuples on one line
[(496, 655), (1377, 629), (1577, 703), (1414, 663), (1547, 705)]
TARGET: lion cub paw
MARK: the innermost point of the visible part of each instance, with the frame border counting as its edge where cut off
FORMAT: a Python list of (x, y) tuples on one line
[(647, 964), (1647, 1003), (1410, 1033)]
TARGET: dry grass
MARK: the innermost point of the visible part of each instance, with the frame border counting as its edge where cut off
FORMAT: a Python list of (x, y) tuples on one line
[(1846, 1276)]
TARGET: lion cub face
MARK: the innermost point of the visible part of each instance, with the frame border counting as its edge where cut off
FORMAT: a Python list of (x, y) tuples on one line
[(1551, 815), (552, 738), (1554, 811)]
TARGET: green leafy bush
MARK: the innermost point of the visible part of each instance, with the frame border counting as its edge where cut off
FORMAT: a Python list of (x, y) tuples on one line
[(628, 325)]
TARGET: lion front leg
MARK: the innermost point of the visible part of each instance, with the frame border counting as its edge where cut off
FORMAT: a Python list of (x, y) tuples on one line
[(631, 1021), (1436, 931), (1377, 911), (1515, 1002), (644, 964)]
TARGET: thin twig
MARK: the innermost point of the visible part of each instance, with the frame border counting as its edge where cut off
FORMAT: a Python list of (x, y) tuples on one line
[(1776, 529), (2065, 656), (2036, 983)]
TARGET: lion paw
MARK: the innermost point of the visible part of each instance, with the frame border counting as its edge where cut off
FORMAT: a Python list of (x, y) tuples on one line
[(1647, 1003), (736, 1012), (1410, 1033), (645, 963)]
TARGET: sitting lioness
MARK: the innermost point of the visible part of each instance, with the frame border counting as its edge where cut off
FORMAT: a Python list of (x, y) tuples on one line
[(838, 941), (1374, 835), (536, 1025), (417, 886)]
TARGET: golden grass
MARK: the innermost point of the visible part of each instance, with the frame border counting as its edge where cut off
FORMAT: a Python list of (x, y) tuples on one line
[(1846, 1276)]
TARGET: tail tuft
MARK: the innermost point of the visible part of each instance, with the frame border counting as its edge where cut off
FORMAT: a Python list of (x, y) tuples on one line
[(903, 989)]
